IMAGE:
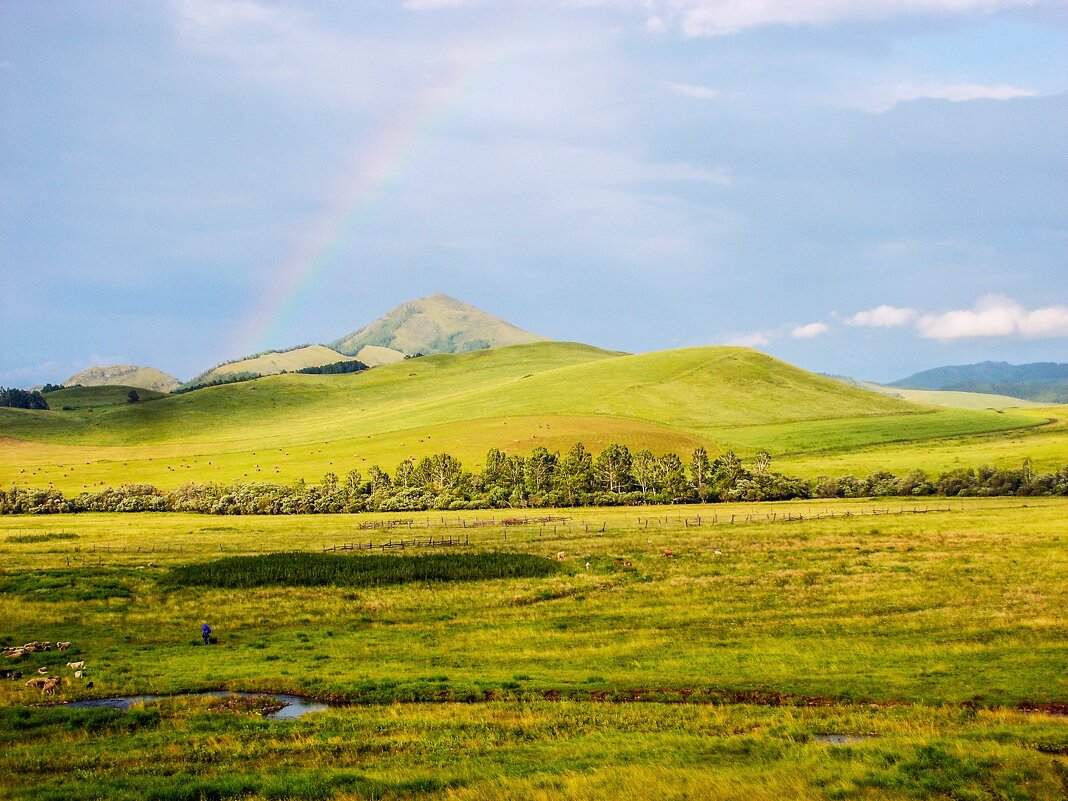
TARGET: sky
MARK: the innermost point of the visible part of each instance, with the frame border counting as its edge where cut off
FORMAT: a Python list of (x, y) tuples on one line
[(860, 187)]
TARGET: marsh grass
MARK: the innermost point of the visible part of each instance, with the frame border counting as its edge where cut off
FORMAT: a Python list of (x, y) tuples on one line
[(68, 585), (920, 631), (48, 536), (305, 569)]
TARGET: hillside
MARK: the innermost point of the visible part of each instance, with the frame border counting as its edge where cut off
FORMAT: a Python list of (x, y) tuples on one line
[(376, 355), (301, 426), (952, 399), (127, 375), (437, 324), (275, 361), (76, 398), (1046, 382)]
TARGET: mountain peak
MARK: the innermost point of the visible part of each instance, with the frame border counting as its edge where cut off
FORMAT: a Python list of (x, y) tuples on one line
[(438, 323)]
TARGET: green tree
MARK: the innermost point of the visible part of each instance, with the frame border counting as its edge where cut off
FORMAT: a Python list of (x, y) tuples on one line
[(643, 469), (574, 473), (612, 467), (671, 476), (701, 473), (538, 470)]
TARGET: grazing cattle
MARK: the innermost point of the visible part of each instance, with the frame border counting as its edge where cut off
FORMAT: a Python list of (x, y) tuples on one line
[(38, 682), (62, 646), (561, 556), (50, 686), (76, 665), (77, 674), (668, 553)]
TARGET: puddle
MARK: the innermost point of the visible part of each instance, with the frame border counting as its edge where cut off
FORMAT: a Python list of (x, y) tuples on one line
[(841, 739), (295, 706)]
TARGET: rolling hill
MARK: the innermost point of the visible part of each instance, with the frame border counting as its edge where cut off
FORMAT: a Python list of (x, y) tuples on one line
[(273, 362), (1046, 382), (292, 426), (436, 324), (127, 375)]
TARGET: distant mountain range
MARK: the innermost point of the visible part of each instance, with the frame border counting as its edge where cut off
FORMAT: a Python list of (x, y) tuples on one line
[(435, 324), (1046, 382)]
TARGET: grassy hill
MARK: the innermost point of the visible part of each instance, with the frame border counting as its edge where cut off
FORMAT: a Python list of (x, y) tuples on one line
[(84, 398), (517, 398), (274, 362), (126, 375), (437, 324)]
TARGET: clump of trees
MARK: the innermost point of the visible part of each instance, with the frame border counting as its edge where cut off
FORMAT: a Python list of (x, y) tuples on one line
[(335, 368), (22, 399), (229, 378), (615, 476)]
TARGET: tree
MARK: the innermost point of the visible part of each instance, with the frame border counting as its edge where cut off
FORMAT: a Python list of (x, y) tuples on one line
[(574, 473), (612, 467), (133, 397), (405, 475), (761, 463), (671, 476), (700, 472), (538, 470), (643, 469)]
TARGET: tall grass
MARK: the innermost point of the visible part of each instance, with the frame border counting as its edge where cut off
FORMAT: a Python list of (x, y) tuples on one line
[(303, 569)]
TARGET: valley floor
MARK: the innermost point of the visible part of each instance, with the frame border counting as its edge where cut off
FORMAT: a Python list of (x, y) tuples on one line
[(674, 654)]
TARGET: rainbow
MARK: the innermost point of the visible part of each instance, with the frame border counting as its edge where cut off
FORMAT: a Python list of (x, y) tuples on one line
[(382, 165)]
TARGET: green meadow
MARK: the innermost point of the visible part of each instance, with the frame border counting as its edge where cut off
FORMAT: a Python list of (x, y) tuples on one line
[(288, 427), (661, 653)]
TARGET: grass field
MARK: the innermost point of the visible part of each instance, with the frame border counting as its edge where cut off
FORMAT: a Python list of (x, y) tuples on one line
[(516, 398), (928, 631)]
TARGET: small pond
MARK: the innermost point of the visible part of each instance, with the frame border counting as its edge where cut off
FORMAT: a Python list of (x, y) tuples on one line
[(841, 739), (295, 706)]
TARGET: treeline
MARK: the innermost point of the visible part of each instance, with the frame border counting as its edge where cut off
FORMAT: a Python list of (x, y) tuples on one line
[(229, 378), (543, 479), (22, 399), (334, 368)]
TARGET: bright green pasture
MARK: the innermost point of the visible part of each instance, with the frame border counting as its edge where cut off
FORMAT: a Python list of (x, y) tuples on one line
[(553, 394), (533, 750), (90, 399), (925, 625), (956, 606)]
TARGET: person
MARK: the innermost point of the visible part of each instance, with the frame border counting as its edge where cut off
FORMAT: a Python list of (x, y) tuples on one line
[(205, 632)]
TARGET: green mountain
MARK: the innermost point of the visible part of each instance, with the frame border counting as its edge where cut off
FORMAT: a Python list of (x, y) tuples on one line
[(127, 375), (517, 398), (437, 324), (1046, 382)]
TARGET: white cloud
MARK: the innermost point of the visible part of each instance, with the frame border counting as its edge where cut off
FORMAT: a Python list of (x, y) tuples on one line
[(996, 316), (883, 317), (751, 339), (691, 90), (723, 17), (885, 98), (810, 330)]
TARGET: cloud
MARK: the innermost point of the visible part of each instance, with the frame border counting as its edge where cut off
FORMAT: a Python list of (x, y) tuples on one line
[(885, 98), (750, 339), (724, 17), (882, 317), (691, 90), (810, 330), (995, 316)]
